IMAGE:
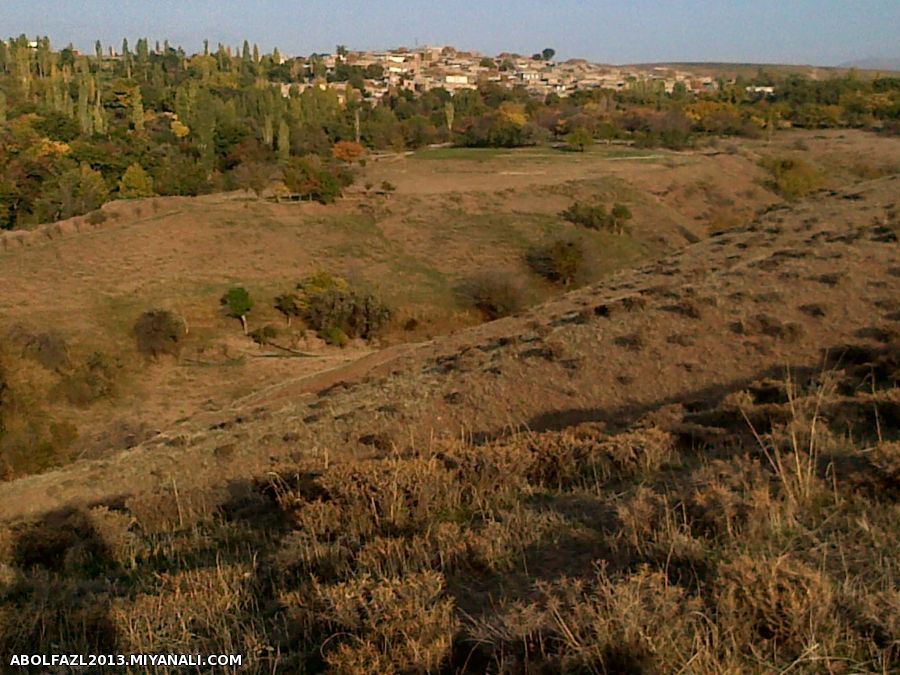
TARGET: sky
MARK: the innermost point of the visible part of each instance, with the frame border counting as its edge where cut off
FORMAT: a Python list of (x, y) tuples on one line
[(818, 32)]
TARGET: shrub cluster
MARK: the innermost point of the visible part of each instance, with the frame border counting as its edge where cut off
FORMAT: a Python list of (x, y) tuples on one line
[(336, 310), (791, 178), (316, 180), (596, 217)]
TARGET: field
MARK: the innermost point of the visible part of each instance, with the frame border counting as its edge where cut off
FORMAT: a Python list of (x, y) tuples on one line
[(688, 463)]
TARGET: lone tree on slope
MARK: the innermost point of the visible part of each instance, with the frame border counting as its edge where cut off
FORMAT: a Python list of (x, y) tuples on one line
[(238, 303)]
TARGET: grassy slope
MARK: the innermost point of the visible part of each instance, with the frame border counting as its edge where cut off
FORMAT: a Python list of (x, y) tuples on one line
[(681, 504), (451, 218)]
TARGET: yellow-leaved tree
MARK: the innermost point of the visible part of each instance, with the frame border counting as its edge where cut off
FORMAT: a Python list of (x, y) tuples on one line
[(135, 183)]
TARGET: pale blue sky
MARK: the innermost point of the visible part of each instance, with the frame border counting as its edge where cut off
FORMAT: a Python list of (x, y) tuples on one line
[(822, 32)]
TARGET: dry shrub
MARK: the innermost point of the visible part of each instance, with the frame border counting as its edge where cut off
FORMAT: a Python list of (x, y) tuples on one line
[(792, 178), (490, 477), (885, 462), (654, 529), (173, 508), (763, 324), (443, 547), (380, 625), (875, 614), (499, 544), (51, 614), (97, 217), (95, 379), (493, 295), (559, 261), (639, 623), (195, 610), (587, 456), (49, 349), (730, 499), (159, 332), (777, 600), (390, 496), (302, 554), (116, 530)]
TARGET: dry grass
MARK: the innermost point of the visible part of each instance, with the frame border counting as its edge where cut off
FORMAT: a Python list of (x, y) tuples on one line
[(771, 549)]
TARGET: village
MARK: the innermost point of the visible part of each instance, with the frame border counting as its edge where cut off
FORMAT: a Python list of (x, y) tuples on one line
[(424, 68)]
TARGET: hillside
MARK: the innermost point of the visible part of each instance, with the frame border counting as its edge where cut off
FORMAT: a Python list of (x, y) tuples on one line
[(782, 293), (687, 465), (456, 212)]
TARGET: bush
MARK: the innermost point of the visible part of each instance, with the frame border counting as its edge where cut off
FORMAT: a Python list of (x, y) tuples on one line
[(159, 332), (356, 314), (327, 302), (492, 295), (596, 217), (48, 349), (289, 305), (559, 261), (95, 380), (791, 178), (334, 336), (263, 336), (579, 139), (97, 217)]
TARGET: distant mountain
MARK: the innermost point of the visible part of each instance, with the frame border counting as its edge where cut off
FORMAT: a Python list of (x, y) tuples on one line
[(874, 64)]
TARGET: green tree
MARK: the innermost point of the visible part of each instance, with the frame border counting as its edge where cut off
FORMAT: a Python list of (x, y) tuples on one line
[(78, 191), (135, 183), (238, 303), (289, 305), (548, 54), (284, 140), (619, 217), (579, 139), (137, 110)]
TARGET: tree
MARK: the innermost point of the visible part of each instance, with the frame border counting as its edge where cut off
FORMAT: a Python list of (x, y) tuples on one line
[(137, 110), (449, 115), (284, 140), (289, 305), (254, 176), (78, 191), (238, 303), (308, 178), (347, 151), (619, 217), (548, 54), (559, 261), (159, 332), (135, 183), (579, 139)]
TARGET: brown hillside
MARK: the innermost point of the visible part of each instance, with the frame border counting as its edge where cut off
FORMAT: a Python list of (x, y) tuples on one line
[(788, 292)]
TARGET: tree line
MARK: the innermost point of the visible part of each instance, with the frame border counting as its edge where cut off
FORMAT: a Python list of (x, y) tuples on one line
[(77, 130)]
